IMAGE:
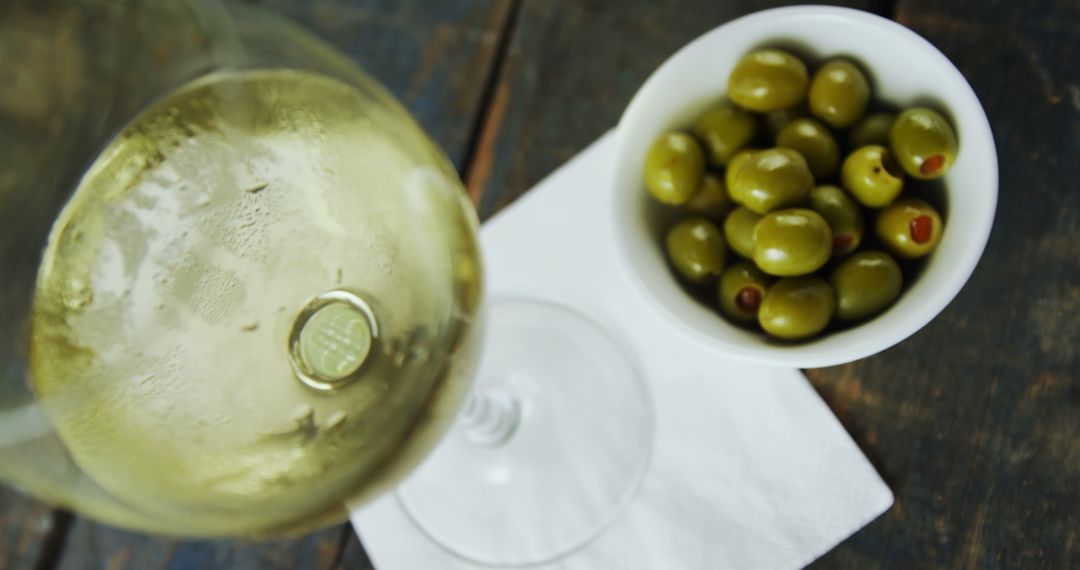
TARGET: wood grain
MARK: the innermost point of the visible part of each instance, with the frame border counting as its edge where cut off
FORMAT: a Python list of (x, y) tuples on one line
[(25, 529), (50, 118), (975, 421), (571, 69), (353, 556), (434, 56), (91, 546)]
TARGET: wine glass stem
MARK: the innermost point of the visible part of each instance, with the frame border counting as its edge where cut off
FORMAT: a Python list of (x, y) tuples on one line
[(490, 419)]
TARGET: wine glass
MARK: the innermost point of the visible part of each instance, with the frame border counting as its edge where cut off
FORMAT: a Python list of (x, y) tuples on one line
[(242, 294)]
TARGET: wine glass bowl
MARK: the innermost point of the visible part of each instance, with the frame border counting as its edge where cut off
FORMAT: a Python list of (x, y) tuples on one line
[(255, 301), (252, 300)]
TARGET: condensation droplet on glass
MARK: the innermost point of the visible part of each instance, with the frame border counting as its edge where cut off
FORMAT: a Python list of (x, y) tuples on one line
[(302, 412), (77, 294), (336, 419)]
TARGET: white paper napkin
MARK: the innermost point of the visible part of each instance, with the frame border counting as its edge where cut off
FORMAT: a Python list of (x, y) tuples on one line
[(750, 468)]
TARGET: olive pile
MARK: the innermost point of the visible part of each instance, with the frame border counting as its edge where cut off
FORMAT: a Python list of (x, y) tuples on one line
[(794, 214)]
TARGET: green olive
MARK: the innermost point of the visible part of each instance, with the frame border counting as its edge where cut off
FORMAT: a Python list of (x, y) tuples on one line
[(924, 143), (777, 120), (814, 142), (710, 200), (739, 231), (696, 249), (771, 179), (874, 129), (797, 307), (792, 242), (674, 167), (843, 215), (838, 93), (767, 80), (871, 175), (735, 164), (742, 287), (724, 130), (909, 228), (865, 284)]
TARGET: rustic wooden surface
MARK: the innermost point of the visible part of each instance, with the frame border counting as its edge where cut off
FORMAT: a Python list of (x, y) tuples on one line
[(37, 123), (974, 422), (571, 68), (90, 546), (436, 57)]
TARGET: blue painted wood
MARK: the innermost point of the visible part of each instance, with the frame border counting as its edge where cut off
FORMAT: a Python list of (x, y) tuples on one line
[(434, 56), (25, 528), (47, 56), (91, 546), (571, 69), (353, 556)]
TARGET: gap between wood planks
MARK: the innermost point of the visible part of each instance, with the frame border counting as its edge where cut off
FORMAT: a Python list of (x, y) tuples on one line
[(343, 542), (479, 148), (53, 544), (886, 8)]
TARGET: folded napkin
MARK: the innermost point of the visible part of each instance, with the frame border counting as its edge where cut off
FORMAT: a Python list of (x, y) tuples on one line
[(750, 469)]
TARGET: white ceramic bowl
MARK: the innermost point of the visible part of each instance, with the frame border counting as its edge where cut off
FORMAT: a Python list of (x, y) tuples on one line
[(904, 69)]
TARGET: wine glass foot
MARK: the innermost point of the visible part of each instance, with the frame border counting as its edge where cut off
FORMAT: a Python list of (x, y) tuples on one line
[(549, 451)]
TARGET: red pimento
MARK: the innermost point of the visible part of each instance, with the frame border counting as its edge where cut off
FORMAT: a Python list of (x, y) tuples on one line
[(748, 299), (932, 164), (921, 228), (841, 242)]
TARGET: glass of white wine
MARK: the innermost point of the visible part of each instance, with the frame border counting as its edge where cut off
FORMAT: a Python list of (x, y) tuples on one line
[(242, 293)]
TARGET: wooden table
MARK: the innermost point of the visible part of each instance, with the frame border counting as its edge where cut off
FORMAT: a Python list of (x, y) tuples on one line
[(974, 422)]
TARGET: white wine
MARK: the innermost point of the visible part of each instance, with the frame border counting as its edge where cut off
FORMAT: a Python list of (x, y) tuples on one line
[(260, 301)]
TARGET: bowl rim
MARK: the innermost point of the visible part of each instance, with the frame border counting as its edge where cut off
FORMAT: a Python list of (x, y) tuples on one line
[(816, 353)]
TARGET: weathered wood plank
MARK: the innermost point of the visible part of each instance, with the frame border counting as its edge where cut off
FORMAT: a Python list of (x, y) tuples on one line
[(975, 421), (51, 116), (434, 56), (91, 546), (25, 528), (353, 556), (571, 69)]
